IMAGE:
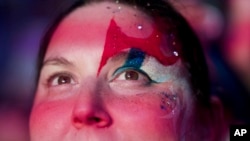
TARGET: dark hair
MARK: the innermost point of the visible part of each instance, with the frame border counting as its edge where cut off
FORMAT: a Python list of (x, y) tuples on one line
[(190, 51)]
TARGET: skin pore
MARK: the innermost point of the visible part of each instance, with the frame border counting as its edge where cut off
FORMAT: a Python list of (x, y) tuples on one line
[(111, 76)]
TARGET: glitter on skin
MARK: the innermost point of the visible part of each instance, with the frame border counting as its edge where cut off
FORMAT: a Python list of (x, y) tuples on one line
[(175, 53), (139, 27), (168, 103)]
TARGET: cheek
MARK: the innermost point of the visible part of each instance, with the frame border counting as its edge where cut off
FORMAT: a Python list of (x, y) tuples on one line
[(147, 113), (44, 115)]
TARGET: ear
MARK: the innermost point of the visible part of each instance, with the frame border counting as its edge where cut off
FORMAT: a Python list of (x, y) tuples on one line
[(208, 122), (211, 122), (219, 120)]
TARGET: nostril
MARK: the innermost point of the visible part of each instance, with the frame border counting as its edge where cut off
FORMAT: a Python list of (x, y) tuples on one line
[(78, 123), (98, 119), (93, 120), (88, 121)]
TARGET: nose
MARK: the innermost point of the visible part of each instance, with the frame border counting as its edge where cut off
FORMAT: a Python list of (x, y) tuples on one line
[(91, 117), (89, 111)]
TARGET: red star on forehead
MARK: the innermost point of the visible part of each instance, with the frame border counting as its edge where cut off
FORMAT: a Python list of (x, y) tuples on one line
[(155, 45)]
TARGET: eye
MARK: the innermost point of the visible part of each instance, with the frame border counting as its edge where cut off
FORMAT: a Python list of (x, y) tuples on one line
[(61, 79), (131, 74)]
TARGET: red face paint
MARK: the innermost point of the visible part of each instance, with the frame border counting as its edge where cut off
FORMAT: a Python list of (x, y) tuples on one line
[(155, 45)]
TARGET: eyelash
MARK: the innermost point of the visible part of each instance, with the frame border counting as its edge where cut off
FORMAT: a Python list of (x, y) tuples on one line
[(57, 75), (118, 72)]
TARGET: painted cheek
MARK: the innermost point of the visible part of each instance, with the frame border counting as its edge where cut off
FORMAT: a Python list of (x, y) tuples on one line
[(155, 45), (169, 104), (151, 114), (148, 105)]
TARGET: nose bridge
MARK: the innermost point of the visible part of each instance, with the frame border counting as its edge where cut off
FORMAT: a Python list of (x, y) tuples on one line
[(87, 90), (89, 109), (88, 96)]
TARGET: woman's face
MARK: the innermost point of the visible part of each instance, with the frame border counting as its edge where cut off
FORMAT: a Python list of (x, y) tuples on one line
[(110, 74)]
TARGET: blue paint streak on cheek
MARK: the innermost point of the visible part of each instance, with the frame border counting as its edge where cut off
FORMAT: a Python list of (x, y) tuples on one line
[(135, 58)]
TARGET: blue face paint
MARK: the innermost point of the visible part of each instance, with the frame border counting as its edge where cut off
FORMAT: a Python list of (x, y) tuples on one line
[(134, 61), (152, 69), (135, 58)]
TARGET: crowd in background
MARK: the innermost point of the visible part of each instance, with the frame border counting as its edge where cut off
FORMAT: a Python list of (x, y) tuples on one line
[(223, 28)]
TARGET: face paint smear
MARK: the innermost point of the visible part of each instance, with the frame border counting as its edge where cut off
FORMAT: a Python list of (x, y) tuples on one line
[(116, 41)]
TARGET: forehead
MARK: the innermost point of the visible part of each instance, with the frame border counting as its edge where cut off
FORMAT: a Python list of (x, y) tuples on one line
[(105, 24), (97, 16)]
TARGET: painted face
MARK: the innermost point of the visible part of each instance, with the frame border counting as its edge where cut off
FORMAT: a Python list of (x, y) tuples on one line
[(112, 76)]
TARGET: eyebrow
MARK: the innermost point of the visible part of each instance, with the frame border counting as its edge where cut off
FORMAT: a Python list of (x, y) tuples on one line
[(60, 61)]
